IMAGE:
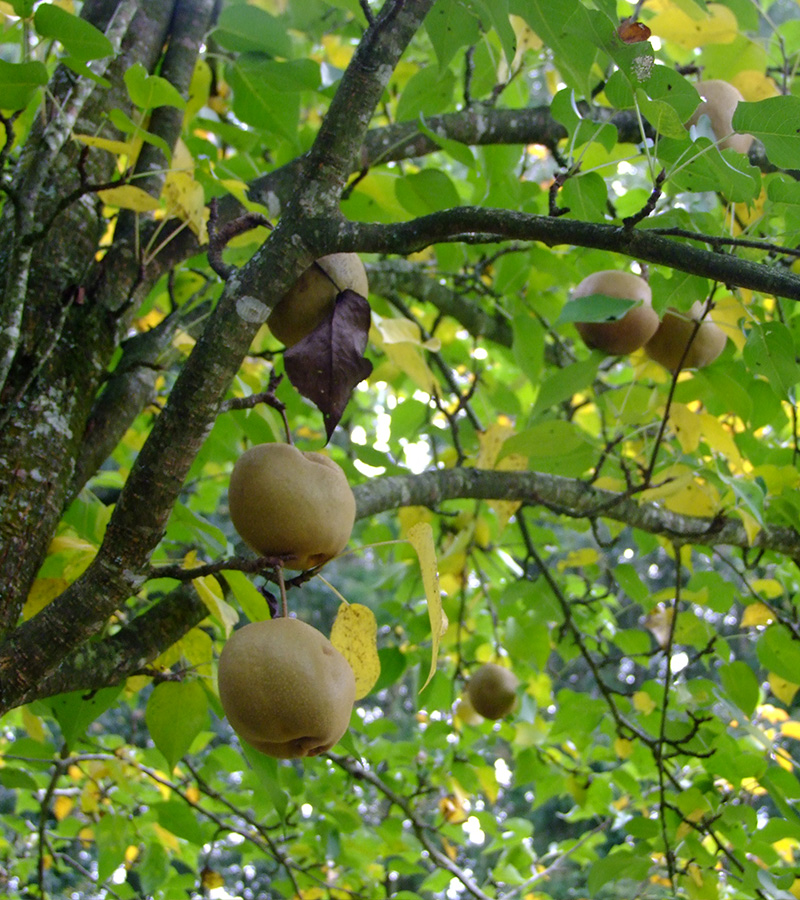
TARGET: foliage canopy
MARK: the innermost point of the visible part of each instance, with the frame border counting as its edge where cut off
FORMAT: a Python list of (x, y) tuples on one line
[(625, 539)]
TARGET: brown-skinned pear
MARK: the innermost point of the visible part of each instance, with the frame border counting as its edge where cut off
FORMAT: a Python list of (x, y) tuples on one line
[(674, 333), (291, 504), (285, 688), (634, 329), (719, 101), (492, 691)]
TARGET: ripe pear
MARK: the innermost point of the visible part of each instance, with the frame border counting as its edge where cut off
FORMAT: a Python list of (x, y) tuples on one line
[(311, 298), (492, 691), (285, 688), (634, 329), (292, 504), (719, 102), (676, 329)]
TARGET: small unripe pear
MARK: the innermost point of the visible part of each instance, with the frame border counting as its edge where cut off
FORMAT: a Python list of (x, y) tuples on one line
[(675, 331), (292, 504), (492, 691), (285, 688), (719, 103), (620, 336), (311, 298)]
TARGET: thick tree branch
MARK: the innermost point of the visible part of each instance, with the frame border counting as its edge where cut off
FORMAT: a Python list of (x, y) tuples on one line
[(479, 225), (568, 497)]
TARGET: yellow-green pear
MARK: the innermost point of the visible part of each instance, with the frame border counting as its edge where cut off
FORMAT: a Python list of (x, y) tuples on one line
[(292, 504), (674, 333), (719, 101), (285, 688), (311, 298), (492, 691), (634, 329)]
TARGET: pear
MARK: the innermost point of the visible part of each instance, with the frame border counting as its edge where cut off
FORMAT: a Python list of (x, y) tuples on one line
[(492, 691), (719, 103), (292, 504), (285, 688), (676, 329), (634, 329), (311, 298)]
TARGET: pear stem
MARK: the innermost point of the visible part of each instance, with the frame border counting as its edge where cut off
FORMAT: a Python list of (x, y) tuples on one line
[(282, 586)]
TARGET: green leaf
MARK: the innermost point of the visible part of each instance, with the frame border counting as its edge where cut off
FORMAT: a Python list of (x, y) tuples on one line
[(78, 37), (113, 834), (260, 105), (615, 866), (595, 308), (741, 685), (769, 351), (246, 28), (700, 166), (564, 383), (774, 122), (460, 152), (150, 91), (268, 774), (450, 27), (779, 652), (251, 600), (19, 82), (181, 820), (573, 54), (553, 446), (528, 346), (495, 12), (427, 93), (177, 712), (77, 710), (426, 191), (586, 197)]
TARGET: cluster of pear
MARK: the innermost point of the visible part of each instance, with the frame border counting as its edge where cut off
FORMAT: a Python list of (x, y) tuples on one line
[(686, 340), (283, 686)]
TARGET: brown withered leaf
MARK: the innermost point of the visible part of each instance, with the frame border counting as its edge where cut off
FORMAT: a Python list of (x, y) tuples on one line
[(327, 364)]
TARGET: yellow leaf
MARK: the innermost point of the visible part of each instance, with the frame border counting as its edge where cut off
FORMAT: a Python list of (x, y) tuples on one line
[(751, 525), (728, 312), (119, 148), (784, 690), (791, 729), (716, 26), (698, 498), (210, 593), (768, 587), (756, 614), (185, 199), (576, 559), (420, 536), (409, 516), (623, 747), (127, 196), (166, 838), (43, 590), (643, 702), (199, 90), (686, 425), (62, 807), (409, 359), (211, 879), (783, 759), (490, 441), (718, 438), (754, 86), (355, 636), (34, 725)]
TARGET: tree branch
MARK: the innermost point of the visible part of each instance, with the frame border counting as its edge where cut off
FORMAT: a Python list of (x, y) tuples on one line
[(490, 225)]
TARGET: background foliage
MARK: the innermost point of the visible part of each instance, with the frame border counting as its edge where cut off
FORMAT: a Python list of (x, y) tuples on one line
[(627, 541)]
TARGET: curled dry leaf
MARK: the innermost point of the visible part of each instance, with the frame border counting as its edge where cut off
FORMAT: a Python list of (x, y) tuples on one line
[(327, 364)]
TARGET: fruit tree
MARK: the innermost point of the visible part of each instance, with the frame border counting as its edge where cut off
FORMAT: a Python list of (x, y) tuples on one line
[(466, 334)]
